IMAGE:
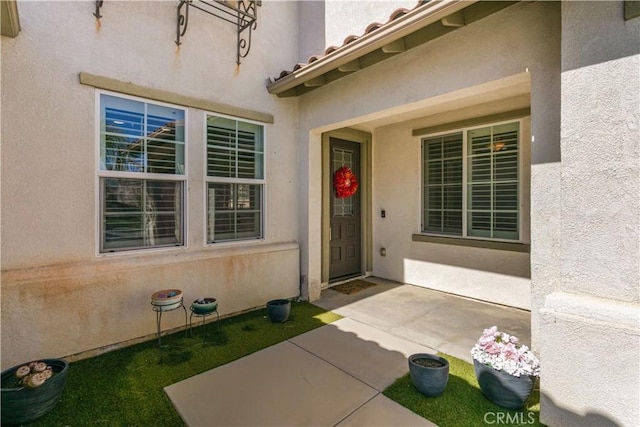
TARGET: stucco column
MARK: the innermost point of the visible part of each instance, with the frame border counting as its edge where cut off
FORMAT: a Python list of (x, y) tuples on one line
[(545, 172), (590, 324), (310, 192)]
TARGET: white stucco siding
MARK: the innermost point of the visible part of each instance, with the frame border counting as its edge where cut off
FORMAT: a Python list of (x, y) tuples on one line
[(511, 42), (601, 179), (485, 274), (486, 67), (49, 185), (63, 310), (595, 303)]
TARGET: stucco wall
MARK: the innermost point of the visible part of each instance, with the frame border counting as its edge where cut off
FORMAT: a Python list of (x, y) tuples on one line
[(484, 58), (52, 279), (591, 319), (480, 273)]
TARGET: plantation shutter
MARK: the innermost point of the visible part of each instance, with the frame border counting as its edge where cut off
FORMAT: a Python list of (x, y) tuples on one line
[(442, 184), (492, 182), (235, 174), (142, 138)]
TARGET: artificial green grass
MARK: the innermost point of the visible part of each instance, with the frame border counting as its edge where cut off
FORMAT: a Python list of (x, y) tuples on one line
[(462, 403), (125, 387)]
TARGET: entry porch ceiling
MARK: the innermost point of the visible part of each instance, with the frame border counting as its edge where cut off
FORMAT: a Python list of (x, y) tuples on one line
[(508, 94), (427, 22)]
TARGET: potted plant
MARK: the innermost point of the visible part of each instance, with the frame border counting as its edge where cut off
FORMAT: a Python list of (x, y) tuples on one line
[(429, 373), (506, 370), (278, 310), (204, 306), (31, 390)]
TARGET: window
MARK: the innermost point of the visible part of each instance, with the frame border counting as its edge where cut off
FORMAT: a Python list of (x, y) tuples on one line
[(141, 174), (471, 183), (235, 180)]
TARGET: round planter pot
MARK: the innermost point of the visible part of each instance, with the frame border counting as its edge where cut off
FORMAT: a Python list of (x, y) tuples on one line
[(207, 306), (278, 310), (503, 389), (429, 373), (167, 298), (25, 405)]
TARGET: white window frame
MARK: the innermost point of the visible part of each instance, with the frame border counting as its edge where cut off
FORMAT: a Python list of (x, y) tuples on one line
[(226, 180), (465, 171), (102, 173)]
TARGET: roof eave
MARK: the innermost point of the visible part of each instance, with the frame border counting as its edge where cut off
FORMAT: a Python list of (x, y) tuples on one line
[(394, 30)]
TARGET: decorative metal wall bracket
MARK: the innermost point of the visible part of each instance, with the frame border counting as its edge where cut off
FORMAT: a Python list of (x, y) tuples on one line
[(242, 13), (98, 6)]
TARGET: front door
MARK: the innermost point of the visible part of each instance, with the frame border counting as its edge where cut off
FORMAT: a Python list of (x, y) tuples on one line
[(345, 232)]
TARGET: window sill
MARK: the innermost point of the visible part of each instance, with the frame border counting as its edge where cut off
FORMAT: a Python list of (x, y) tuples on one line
[(473, 243)]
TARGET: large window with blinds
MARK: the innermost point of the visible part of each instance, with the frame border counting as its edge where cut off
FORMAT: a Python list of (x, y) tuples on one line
[(141, 174), (471, 183), (235, 179)]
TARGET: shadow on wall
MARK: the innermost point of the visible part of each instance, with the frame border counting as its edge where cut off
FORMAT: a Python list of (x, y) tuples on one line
[(603, 34), (553, 414)]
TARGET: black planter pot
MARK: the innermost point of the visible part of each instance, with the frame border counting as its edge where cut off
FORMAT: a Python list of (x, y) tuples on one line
[(503, 389), (25, 405), (278, 310), (430, 380)]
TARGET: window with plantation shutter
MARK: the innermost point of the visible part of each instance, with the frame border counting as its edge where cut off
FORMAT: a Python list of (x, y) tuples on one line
[(471, 185), (443, 184), (235, 180), (141, 174)]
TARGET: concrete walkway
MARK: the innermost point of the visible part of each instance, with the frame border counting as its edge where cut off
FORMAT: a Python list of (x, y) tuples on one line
[(334, 375)]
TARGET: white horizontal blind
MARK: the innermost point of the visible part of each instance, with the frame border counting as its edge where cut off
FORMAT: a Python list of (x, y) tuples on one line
[(442, 186), (141, 213), (144, 139), (235, 179)]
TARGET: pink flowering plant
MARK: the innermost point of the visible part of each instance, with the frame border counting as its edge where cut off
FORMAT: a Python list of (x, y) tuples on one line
[(503, 352)]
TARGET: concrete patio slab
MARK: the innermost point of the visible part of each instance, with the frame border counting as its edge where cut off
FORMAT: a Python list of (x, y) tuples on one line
[(446, 322), (384, 412), (373, 356), (282, 385), (334, 375)]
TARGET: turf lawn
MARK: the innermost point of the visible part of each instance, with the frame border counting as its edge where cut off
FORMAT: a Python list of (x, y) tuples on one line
[(125, 387), (462, 403)]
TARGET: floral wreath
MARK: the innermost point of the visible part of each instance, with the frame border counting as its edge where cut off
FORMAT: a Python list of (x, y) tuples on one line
[(345, 182)]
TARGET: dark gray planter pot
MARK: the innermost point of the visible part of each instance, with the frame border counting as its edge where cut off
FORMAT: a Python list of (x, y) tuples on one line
[(430, 381), (25, 405), (278, 310), (501, 388)]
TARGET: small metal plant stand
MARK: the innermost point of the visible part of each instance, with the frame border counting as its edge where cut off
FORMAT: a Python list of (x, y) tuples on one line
[(160, 307), (204, 316)]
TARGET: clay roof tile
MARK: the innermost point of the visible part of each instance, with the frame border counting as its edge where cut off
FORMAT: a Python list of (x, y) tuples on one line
[(351, 38), (372, 27)]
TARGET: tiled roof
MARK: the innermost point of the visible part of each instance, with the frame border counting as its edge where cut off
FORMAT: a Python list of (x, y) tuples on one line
[(405, 30), (374, 26)]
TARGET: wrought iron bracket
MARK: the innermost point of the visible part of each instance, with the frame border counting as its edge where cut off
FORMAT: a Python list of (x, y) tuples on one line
[(242, 13), (98, 6)]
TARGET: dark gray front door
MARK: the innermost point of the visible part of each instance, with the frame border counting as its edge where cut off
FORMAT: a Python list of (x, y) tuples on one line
[(345, 234)]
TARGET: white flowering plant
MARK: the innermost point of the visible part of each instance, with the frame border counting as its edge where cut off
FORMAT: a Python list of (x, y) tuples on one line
[(503, 352)]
